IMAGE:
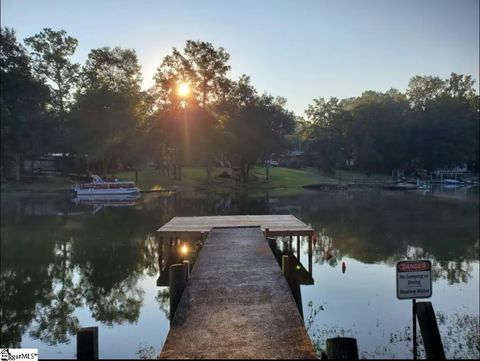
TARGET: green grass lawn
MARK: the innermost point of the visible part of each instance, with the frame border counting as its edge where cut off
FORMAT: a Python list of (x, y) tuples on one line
[(281, 180), (196, 178)]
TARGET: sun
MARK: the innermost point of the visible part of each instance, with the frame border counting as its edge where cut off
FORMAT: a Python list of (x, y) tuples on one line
[(183, 89)]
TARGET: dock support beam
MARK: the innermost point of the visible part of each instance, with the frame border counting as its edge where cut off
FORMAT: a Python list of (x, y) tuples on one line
[(87, 343), (310, 253), (298, 248), (178, 274), (187, 264), (342, 348), (285, 265)]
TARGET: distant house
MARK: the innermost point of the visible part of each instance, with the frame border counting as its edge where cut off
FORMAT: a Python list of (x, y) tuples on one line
[(294, 159)]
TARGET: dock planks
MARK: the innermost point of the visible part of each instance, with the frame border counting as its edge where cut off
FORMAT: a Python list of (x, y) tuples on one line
[(237, 304), (278, 224)]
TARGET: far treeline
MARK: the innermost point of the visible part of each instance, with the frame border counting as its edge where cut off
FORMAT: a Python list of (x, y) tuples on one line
[(97, 117)]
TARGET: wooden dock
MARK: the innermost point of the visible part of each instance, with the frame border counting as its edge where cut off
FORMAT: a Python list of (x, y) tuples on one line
[(278, 225), (237, 303)]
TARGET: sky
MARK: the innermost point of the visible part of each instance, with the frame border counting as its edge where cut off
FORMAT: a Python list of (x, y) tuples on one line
[(300, 50)]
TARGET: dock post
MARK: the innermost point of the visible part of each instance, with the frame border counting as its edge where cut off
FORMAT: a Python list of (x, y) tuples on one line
[(298, 248), (285, 265), (160, 259), (272, 242), (187, 264), (429, 330), (87, 343), (177, 283), (266, 232), (310, 251), (342, 348)]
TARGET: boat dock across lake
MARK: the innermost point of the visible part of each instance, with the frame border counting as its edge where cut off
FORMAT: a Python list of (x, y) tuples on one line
[(237, 302)]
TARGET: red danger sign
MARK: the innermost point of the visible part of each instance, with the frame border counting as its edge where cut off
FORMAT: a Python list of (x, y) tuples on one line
[(408, 266), (414, 279)]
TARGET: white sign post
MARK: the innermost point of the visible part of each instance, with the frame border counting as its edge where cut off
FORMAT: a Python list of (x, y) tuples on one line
[(414, 280)]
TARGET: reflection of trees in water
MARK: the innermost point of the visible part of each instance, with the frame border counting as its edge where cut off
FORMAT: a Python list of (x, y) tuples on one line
[(116, 305), (324, 250), (26, 255), (54, 321), (453, 271), (163, 299), (42, 255), (458, 269), (148, 352), (112, 253), (373, 226), (44, 280)]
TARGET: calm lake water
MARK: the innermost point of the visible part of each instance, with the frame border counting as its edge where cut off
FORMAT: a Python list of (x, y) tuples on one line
[(66, 265)]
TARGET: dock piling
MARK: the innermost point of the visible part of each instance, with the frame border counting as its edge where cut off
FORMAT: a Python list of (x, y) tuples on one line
[(310, 253), (342, 348), (285, 265), (187, 264), (429, 330), (87, 343), (178, 274)]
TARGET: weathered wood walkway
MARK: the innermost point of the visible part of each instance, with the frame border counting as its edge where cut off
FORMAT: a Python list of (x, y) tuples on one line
[(278, 224), (237, 303)]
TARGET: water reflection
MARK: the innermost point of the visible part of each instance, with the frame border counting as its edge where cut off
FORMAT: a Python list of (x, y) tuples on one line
[(174, 250), (297, 274), (53, 265), (98, 201), (63, 267)]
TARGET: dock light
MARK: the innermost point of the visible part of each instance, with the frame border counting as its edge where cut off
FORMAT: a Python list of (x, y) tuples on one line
[(298, 267), (184, 249)]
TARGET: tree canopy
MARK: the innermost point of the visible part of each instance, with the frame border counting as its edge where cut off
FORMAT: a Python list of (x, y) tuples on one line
[(195, 114)]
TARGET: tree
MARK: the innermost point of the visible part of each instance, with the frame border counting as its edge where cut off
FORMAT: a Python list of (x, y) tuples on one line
[(200, 65), (25, 126), (204, 68), (115, 69), (104, 121), (444, 132), (51, 52), (422, 90), (262, 122), (378, 130), (207, 68), (328, 132), (460, 86), (109, 107)]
